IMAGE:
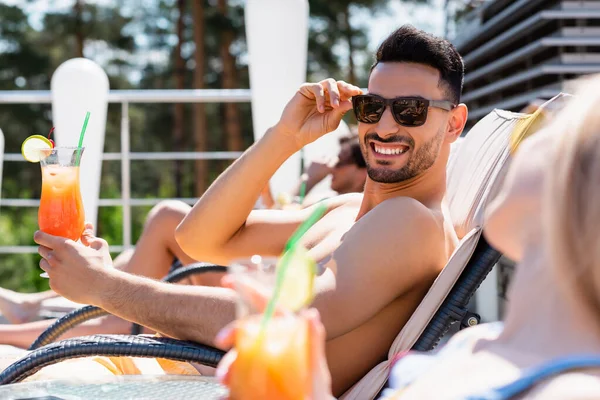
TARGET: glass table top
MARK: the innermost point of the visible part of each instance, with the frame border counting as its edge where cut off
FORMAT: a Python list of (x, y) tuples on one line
[(162, 387)]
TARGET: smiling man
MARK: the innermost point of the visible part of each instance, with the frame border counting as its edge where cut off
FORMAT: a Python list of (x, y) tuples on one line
[(379, 251)]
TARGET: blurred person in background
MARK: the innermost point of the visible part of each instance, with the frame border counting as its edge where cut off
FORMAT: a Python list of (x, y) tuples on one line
[(348, 172)]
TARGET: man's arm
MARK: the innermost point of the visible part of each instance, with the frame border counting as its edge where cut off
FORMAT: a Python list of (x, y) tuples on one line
[(82, 274), (222, 225), (216, 228), (184, 312)]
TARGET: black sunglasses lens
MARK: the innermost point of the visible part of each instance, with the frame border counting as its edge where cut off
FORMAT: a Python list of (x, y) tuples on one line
[(410, 112), (368, 109)]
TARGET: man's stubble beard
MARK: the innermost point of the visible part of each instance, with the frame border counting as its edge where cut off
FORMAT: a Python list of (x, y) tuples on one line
[(420, 161)]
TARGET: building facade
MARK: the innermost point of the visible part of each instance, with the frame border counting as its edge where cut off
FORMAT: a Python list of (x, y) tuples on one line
[(519, 51)]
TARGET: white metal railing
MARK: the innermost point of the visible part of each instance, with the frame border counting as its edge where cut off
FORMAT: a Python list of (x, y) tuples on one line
[(125, 97)]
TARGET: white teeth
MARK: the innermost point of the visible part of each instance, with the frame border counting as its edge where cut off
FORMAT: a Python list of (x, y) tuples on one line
[(388, 151)]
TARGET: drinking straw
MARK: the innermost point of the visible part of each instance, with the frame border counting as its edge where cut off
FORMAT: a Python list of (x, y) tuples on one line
[(289, 249), (81, 135), (302, 190), (303, 178)]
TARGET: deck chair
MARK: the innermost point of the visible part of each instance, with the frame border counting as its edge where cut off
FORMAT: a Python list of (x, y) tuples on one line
[(475, 174)]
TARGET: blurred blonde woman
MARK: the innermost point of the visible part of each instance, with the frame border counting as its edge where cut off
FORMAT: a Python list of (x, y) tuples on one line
[(547, 218)]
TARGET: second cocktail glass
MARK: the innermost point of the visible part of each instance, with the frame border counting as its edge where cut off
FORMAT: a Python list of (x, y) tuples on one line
[(272, 358)]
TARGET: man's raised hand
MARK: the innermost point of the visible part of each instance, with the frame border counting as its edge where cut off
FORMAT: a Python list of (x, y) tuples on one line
[(316, 109)]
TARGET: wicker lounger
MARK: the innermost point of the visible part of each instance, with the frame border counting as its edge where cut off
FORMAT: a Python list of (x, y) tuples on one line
[(454, 309)]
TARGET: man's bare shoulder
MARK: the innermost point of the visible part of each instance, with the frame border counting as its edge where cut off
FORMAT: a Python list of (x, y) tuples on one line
[(408, 212), (401, 238)]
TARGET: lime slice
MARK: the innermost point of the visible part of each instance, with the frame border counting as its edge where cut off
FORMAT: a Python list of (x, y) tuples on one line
[(297, 287), (283, 199), (32, 147)]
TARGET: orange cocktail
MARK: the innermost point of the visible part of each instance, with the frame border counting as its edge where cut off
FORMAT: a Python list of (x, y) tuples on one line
[(274, 363), (61, 207), (273, 358)]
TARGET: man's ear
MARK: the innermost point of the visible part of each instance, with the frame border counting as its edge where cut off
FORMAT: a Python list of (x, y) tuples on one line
[(456, 122)]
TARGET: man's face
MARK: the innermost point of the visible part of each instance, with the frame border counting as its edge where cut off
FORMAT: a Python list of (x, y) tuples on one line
[(345, 173), (395, 153)]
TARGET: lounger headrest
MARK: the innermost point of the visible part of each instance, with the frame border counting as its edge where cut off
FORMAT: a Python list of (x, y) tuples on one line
[(477, 167)]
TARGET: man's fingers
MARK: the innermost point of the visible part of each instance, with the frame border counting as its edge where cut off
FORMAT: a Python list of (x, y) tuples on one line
[(347, 90), (225, 367), (330, 94), (331, 88), (314, 91), (345, 105), (98, 243), (87, 237), (321, 377), (48, 255), (48, 240), (226, 337), (319, 92), (44, 251), (317, 337), (44, 265), (228, 282)]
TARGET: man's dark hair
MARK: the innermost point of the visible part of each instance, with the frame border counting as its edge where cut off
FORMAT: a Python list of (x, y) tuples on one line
[(409, 44)]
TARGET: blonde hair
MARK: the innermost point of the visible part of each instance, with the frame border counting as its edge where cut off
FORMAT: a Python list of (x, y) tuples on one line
[(572, 196)]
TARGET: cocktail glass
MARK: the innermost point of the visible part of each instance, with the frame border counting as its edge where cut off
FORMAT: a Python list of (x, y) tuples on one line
[(61, 207), (273, 358)]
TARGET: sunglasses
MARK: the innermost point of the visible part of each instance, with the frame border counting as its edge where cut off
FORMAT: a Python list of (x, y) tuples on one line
[(407, 111)]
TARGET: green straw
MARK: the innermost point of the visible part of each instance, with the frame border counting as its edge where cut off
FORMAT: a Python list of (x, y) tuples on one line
[(81, 135), (289, 249), (302, 191)]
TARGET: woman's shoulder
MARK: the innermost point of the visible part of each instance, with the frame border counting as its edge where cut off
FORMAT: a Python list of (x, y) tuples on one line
[(572, 386), (410, 366), (466, 338)]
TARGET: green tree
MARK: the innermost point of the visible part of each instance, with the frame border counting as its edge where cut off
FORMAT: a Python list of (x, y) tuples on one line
[(179, 110), (200, 132), (229, 79), (331, 26)]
